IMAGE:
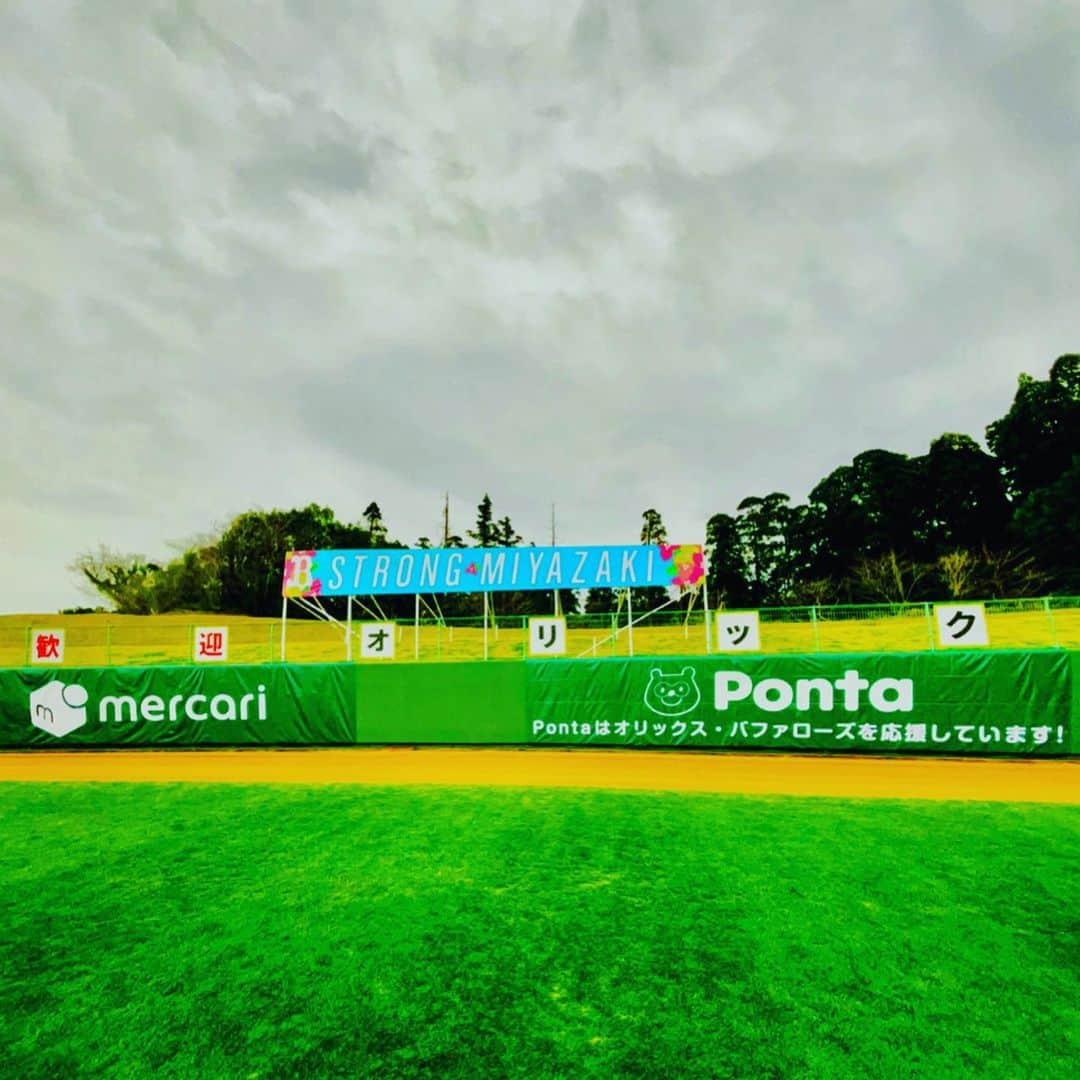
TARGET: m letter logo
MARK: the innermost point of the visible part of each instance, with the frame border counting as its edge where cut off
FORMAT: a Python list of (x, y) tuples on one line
[(58, 709)]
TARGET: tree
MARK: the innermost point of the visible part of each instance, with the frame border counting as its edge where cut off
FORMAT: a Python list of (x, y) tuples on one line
[(505, 536), (484, 533), (765, 526), (1037, 439), (252, 553), (964, 499), (892, 578), (1047, 523), (373, 517), (124, 580), (727, 570), (652, 528)]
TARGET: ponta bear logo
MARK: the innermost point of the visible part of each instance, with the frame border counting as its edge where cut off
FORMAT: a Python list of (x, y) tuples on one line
[(58, 709), (672, 695)]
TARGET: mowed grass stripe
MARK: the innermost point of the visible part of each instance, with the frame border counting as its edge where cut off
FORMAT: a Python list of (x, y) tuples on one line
[(236, 931)]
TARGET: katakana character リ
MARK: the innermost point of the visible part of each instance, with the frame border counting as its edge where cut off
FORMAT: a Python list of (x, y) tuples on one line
[(641, 728), (989, 734), (962, 617), (552, 635), (1016, 734)]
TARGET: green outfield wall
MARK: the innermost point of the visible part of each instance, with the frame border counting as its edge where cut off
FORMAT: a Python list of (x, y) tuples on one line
[(1021, 703)]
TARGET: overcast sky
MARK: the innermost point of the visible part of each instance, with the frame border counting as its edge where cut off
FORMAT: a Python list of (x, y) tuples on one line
[(605, 254)]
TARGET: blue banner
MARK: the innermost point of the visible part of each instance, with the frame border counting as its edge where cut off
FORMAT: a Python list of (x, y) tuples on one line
[(405, 571)]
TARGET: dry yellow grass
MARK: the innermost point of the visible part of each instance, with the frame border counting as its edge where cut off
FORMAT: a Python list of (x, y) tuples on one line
[(96, 640)]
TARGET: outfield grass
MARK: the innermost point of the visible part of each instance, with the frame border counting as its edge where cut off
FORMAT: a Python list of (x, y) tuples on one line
[(250, 932)]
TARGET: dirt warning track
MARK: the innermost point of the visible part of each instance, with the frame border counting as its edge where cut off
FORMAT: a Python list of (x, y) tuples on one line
[(759, 774)]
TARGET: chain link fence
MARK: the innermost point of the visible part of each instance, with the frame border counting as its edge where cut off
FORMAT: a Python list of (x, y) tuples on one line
[(105, 640)]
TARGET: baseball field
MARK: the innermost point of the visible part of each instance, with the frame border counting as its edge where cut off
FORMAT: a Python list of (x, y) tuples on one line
[(537, 925)]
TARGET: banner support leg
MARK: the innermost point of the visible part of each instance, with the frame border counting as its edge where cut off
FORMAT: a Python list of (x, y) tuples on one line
[(348, 628), (284, 620), (416, 629), (485, 626), (629, 622)]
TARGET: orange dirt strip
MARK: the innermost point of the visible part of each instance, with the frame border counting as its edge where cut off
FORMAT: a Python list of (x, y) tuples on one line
[(847, 777)]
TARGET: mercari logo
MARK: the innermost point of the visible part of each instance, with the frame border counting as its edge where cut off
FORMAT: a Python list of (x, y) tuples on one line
[(60, 709), (775, 695)]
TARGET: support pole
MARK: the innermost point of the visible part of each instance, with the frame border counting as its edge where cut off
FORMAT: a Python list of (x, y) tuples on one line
[(284, 618), (416, 629), (348, 628), (708, 614), (629, 622), (485, 626)]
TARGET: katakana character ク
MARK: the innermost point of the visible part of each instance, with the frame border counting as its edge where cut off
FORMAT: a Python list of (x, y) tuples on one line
[(698, 729), (801, 730), (658, 730), (1016, 735), (622, 727), (761, 727), (641, 728), (603, 727), (678, 729), (1041, 735), (47, 647), (846, 731), (737, 633), (868, 732), (211, 644), (891, 733), (914, 733), (939, 738), (989, 734), (377, 640), (738, 727), (965, 729), (961, 617)]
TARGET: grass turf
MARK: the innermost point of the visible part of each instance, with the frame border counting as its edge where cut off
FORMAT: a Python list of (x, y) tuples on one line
[(221, 931)]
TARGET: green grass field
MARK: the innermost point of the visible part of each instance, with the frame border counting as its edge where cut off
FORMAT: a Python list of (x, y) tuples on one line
[(292, 931)]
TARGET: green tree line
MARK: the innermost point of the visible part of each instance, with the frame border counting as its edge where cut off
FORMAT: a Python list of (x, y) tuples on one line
[(957, 521)]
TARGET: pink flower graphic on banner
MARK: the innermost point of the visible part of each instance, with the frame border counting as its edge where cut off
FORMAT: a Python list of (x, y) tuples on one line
[(472, 568), (299, 578), (687, 563)]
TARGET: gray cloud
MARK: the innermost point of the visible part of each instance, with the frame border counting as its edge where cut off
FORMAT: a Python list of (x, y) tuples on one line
[(607, 255)]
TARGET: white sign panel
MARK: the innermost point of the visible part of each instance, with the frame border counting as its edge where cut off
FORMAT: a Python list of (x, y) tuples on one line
[(211, 644), (377, 640), (47, 646), (738, 631), (961, 626), (547, 637)]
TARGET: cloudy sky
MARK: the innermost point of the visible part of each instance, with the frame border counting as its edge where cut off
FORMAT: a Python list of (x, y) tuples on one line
[(602, 253)]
